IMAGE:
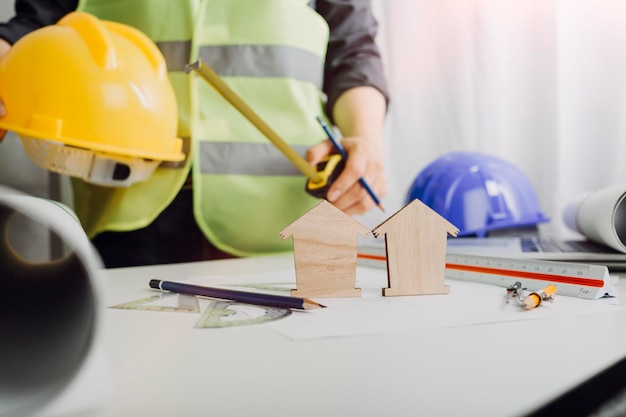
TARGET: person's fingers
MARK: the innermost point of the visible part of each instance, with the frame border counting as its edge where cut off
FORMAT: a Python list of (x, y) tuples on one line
[(347, 193), (355, 168), (4, 47), (3, 112), (318, 152), (356, 200)]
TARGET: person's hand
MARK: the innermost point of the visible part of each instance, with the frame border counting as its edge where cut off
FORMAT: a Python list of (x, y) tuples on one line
[(359, 113), (3, 112), (4, 48), (364, 160)]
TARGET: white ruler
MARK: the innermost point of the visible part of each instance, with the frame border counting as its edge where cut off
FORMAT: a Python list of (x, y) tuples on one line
[(572, 279)]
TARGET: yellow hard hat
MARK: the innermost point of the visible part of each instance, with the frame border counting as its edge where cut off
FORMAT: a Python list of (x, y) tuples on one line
[(90, 88)]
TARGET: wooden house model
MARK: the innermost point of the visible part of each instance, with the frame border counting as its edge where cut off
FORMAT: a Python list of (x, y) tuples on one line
[(325, 252), (415, 240)]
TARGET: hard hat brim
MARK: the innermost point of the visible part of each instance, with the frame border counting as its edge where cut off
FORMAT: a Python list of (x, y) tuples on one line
[(176, 155)]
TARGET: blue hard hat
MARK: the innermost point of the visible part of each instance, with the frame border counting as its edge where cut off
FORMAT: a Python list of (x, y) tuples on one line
[(477, 193)]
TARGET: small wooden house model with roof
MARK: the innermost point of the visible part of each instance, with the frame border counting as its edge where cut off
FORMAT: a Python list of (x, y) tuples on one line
[(325, 252), (415, 240)]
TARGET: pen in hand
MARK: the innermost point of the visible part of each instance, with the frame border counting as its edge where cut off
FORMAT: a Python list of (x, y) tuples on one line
[(344, 155)]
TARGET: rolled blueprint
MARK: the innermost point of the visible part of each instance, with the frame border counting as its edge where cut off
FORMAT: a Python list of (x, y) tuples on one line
[(600, 216), (48, 310)]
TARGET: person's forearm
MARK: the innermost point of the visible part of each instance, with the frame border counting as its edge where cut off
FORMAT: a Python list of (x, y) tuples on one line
[(353, 58), (360, 112)]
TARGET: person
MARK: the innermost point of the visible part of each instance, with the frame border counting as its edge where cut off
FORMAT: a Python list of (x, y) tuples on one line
[(290, 61)]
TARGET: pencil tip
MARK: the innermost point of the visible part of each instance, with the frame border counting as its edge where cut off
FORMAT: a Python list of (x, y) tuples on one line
[(313, 304), (380, 206)]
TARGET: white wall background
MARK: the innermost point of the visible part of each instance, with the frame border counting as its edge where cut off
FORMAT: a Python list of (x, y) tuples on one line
[(540, 83)]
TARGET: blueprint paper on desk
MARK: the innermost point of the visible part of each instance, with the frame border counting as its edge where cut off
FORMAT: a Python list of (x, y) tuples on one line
[(467, 304)]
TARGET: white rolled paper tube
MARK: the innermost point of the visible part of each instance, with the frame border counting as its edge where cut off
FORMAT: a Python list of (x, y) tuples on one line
[(50, 310), (600, 216)]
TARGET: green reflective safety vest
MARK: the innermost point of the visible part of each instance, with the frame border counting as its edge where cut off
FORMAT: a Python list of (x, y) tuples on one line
[(270, 52)]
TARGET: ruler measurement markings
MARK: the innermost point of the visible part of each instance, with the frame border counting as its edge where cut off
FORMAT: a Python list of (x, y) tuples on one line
[(574, 279), (579, 280)]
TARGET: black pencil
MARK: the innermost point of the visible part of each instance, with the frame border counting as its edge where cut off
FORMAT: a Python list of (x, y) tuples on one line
[(268, 300)]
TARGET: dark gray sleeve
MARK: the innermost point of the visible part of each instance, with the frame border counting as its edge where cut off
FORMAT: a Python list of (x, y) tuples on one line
[(353, 58), (34, 14)]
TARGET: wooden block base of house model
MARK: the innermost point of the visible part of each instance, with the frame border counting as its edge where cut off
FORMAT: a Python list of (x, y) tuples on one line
[(415, 240), (325, 252)]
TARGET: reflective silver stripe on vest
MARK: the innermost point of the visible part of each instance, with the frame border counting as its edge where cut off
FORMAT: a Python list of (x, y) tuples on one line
[(278, 61), (177, 54), (239, 158)]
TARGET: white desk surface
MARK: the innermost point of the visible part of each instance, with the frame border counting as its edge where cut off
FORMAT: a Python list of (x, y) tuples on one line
[(162, 366)]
